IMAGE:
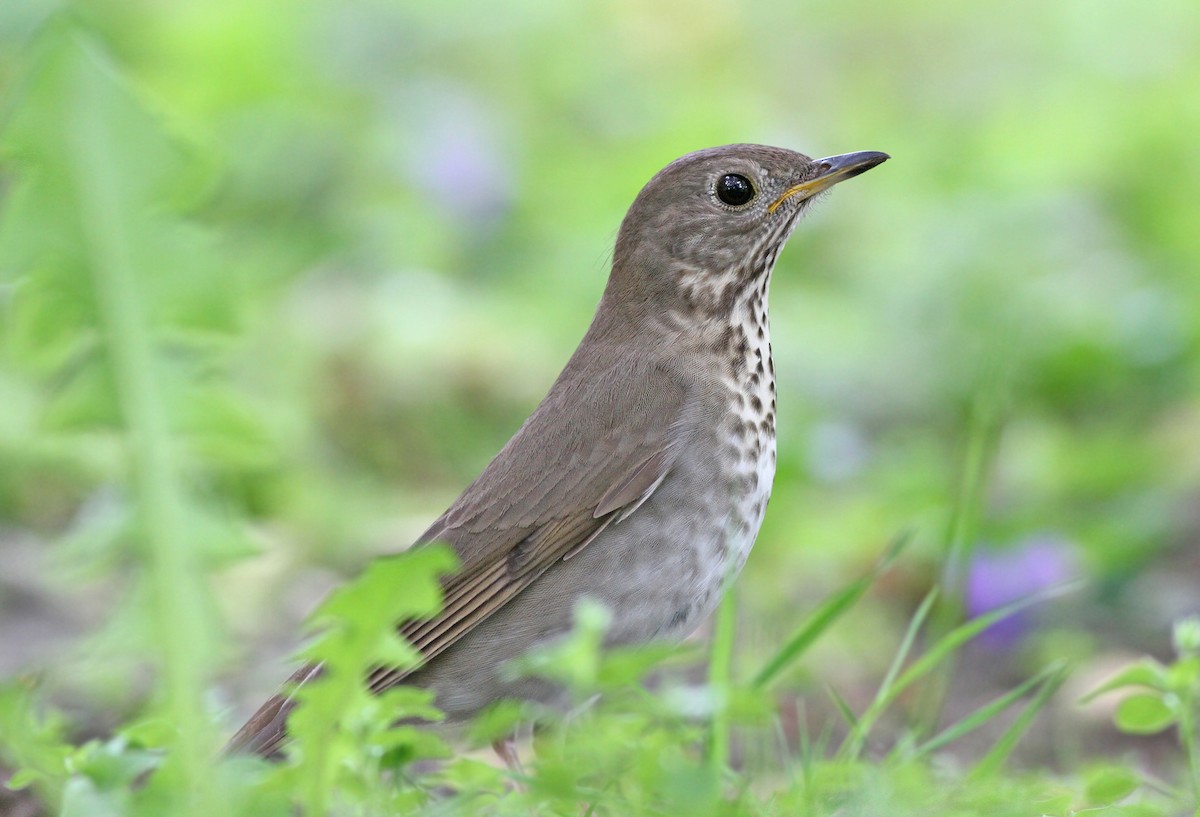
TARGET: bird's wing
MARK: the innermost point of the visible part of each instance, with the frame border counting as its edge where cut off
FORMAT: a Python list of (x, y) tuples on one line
[(266, 729), (547, 495), (562, 479)]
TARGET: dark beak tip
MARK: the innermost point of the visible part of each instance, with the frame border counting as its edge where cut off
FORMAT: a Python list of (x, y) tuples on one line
[(848, 165), (853, 163), (870, 159)]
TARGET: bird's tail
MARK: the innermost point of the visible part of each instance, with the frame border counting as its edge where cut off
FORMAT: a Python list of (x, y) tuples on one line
[(266, 730)]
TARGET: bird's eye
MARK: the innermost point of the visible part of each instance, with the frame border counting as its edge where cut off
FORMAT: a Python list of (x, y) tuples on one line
[(734, 189)]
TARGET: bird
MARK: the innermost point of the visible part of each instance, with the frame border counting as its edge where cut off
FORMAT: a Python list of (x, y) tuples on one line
[(641, 479)]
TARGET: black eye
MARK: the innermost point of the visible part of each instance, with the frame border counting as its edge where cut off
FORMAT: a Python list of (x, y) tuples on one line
[(734, 189)]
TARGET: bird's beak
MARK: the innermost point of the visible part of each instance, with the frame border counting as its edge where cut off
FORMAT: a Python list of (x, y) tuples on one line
[(830, 171)]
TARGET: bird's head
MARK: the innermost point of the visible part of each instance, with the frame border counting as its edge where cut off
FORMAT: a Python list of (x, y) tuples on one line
[(712, 222)]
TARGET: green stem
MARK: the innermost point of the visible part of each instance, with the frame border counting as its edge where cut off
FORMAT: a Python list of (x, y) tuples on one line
[(175, 576), (964, 524), (983, 425)]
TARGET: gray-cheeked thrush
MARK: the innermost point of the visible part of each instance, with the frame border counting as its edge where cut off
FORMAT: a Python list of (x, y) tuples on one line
[(642, 477)]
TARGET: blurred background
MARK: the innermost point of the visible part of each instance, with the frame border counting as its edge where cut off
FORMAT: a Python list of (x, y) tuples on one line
[(376, 230)]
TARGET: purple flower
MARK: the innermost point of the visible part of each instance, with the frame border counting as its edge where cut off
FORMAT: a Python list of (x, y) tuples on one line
[(999, 577)]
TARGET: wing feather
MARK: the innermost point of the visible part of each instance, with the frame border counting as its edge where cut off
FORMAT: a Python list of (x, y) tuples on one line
[(587, 458)]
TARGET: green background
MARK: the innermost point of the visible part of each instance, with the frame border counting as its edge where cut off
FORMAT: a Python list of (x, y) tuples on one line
[(366, 235)]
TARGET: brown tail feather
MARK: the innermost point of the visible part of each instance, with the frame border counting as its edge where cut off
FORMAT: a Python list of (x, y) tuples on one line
[(266, 730)]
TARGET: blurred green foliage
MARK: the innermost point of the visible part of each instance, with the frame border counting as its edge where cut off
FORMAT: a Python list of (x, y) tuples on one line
[(358, 239)]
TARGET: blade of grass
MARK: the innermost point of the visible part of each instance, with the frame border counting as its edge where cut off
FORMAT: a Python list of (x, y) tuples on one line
[(823, 617), (944, 648), (960, 635), (853, 744), (989, 711), (812, 754), (842, 706), (786, 760), (983, 427), (1000, 751), (910, 637)]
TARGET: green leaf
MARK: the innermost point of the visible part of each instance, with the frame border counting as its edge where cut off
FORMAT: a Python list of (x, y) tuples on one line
[(390, 589), (1145, 673), (1185, 637), (1143, 715), (31, 738), (148, 733), (497, 721), (338, 721), (1183, 677), (1110, 784), (82, 798), (623, 667)]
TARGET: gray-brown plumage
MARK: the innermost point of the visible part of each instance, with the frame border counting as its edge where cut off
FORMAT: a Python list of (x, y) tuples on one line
[(642, 478)]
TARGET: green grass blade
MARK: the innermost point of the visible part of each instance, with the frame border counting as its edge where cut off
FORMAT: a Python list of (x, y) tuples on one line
[(960, 635), (843, 707), (988, 711), (853, 744), (822, 618), (983, 428), (812, 751), (944, 648), (1000, 751), (910, 637)]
